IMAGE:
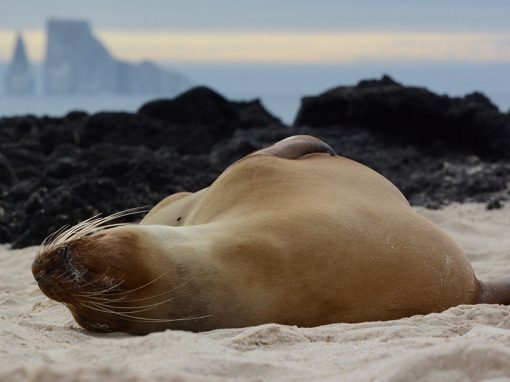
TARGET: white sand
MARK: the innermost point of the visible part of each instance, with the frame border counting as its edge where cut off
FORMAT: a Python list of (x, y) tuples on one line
[(39, 341)]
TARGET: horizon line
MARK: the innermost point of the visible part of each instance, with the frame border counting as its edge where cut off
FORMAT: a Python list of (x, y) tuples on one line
[(281, 47)]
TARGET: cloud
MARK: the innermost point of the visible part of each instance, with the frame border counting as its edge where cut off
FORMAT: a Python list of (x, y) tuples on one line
[(287, 47)]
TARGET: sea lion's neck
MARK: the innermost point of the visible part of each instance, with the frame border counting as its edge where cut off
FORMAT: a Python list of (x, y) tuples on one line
[(180, 243), (183, 256)]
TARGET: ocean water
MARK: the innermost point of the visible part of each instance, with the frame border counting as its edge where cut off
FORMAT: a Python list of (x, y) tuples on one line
[(40, 104), (280, 87)]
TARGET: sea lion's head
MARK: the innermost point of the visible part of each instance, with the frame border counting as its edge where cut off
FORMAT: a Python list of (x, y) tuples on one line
[(108, 278)]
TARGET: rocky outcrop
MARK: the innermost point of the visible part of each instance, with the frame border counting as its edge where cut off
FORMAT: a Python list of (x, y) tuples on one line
[(77, 62), (412, 115), (201, 117), (19, 79), (7, 175), (58, 171), (201, 105), (197, 106), (254, 114)]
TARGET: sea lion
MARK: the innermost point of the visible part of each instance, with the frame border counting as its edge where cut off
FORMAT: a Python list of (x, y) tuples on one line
[(292, 234)]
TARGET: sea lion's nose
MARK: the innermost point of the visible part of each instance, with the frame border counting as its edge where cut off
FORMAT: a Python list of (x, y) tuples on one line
[(52, 270), (47, 266), (39, 276), (42, 279)]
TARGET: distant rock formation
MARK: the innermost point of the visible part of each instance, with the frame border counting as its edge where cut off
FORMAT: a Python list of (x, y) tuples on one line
[(76, 62), (19, 79)]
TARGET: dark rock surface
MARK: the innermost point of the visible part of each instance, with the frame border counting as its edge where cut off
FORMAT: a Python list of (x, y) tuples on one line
[(204, 106), (197, 106), (57, 171), (412, 115), (7, 175)]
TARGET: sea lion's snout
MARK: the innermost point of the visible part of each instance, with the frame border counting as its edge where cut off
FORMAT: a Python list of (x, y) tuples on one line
[(102, 279), (86, 265), (56, 271)]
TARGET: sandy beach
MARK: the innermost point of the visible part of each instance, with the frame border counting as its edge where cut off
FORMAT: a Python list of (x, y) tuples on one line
[(39, 340)]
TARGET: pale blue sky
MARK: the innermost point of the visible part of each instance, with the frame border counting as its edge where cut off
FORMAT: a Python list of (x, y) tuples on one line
[(276, 31), (282, 15)]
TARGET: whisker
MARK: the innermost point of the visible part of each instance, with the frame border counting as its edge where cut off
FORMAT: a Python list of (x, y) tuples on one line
[(65, 275), (144, 319), (89, 226), (101, 299), (92, 294), (163, 293), (140, 287), (104, 299), (135, 309), (49, 239)]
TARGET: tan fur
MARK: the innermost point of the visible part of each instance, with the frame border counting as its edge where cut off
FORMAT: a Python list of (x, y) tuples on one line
[(317, 240), (307, 241)]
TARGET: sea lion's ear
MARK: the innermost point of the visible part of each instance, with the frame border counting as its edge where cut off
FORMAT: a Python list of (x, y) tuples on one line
[(295, 147)]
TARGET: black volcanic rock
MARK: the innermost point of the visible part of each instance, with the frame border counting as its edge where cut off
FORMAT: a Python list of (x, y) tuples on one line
[(76, 115), (103, 178), (57, 171), (196, 106), (254, 114), (122, 129), (200, 117), (412, 115), (196, 119), (204, 106), (7, 176)]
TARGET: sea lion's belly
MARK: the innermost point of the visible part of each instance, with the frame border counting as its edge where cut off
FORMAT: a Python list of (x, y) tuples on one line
[(328, 240)]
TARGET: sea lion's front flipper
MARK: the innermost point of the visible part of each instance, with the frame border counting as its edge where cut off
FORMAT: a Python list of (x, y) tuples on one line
[(296, 146)]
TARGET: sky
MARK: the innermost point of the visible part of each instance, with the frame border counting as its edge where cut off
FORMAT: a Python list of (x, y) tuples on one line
[(278, 31)]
